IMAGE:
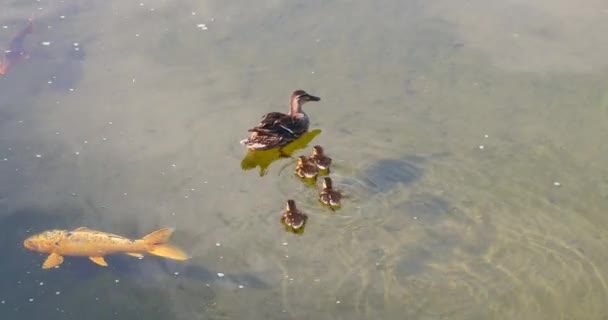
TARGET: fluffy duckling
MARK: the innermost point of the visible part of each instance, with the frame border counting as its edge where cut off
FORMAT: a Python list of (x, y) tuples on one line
[(329, 196), (319, 158), (306, 168), (292, 217)]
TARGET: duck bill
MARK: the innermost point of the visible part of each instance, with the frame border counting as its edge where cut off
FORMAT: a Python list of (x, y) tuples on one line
[(312, 98)]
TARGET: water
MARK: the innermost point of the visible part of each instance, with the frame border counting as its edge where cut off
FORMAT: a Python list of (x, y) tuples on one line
[(466, 135)]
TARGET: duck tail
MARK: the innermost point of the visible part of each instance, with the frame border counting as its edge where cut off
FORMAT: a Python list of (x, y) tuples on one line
[(158, 246)]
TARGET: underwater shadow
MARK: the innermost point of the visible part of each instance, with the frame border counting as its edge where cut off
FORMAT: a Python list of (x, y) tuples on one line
[(264, 158), (387, 174)]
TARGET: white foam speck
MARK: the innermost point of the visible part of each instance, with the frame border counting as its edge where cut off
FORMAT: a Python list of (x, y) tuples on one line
[(57, 293), (481, 147), (176, 273), (241, 286), (284, 243), (46, 43), (217, 244), (219, 274), (38, 156), (61, 17), (557, 184), (117, 281), (31, 299), (41, 283)]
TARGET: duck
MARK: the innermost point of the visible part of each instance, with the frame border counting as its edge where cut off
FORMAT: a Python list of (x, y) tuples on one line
[(292, 217), (319, 158), (306, 168), (277, 129), (328, 195)]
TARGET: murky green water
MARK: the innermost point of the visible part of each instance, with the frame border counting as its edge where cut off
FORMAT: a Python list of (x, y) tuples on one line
[(467, 136)]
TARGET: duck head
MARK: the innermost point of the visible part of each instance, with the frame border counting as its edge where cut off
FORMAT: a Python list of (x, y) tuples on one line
[(299, 98)]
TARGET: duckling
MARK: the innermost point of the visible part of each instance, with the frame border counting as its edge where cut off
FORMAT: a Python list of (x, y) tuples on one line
[(329, 196), (306, 168), (292, 217), (319, 158), (277, 129)]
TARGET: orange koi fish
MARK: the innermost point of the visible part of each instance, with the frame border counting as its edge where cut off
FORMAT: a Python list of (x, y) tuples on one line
[(16, 51), (85, 242)]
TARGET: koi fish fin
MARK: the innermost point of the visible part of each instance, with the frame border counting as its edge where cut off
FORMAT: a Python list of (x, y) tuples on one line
[(158, 237), (99, 260), (135, 254), (52, 261), (168, 251), (82, 229), (156, 242)]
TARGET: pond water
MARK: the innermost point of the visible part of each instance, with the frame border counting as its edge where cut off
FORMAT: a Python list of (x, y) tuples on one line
[(467, 137)]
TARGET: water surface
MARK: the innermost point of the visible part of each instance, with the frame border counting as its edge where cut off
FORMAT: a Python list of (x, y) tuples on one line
[(467, 135)]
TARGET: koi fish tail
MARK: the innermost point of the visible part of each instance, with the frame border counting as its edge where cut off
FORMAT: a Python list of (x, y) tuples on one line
[(157, 245)]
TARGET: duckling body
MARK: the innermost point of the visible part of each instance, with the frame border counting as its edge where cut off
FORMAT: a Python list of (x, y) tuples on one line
[(277, 129), (328, 195), (306, 168), (292, 217), (319, 158)]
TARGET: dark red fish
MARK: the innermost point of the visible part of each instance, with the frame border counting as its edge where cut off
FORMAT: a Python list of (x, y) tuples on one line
[(16, 51)]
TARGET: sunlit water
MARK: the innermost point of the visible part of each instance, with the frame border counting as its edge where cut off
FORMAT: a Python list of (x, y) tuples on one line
[(467, 137)]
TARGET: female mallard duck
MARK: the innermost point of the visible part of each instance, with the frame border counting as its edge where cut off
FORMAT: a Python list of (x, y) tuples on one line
[(319, 158), (278, 129), (329, 196), (292, 217), (306, 168)]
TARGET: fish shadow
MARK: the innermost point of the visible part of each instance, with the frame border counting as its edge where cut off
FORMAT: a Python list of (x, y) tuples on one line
[(87, 288), (151, 271)]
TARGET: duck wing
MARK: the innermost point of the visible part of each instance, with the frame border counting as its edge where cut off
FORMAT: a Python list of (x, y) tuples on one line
[(277, 123)]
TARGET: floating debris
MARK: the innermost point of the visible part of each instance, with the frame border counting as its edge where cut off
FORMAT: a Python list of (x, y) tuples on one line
[(38, 156), (285, 243), (116, 281), (57, 292), (337, 301), (557, 184), (219, 274), (45, 43), (176, 273), (61, 17), (481, 147), (202, 26), (217, 244), (486, 136), (241, 286), (31, 299)]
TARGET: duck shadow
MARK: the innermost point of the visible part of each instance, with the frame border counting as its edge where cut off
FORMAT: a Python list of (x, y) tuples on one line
[(264, 158)]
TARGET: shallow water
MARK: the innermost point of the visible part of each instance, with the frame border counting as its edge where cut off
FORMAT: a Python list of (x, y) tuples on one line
[(466, 135)]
